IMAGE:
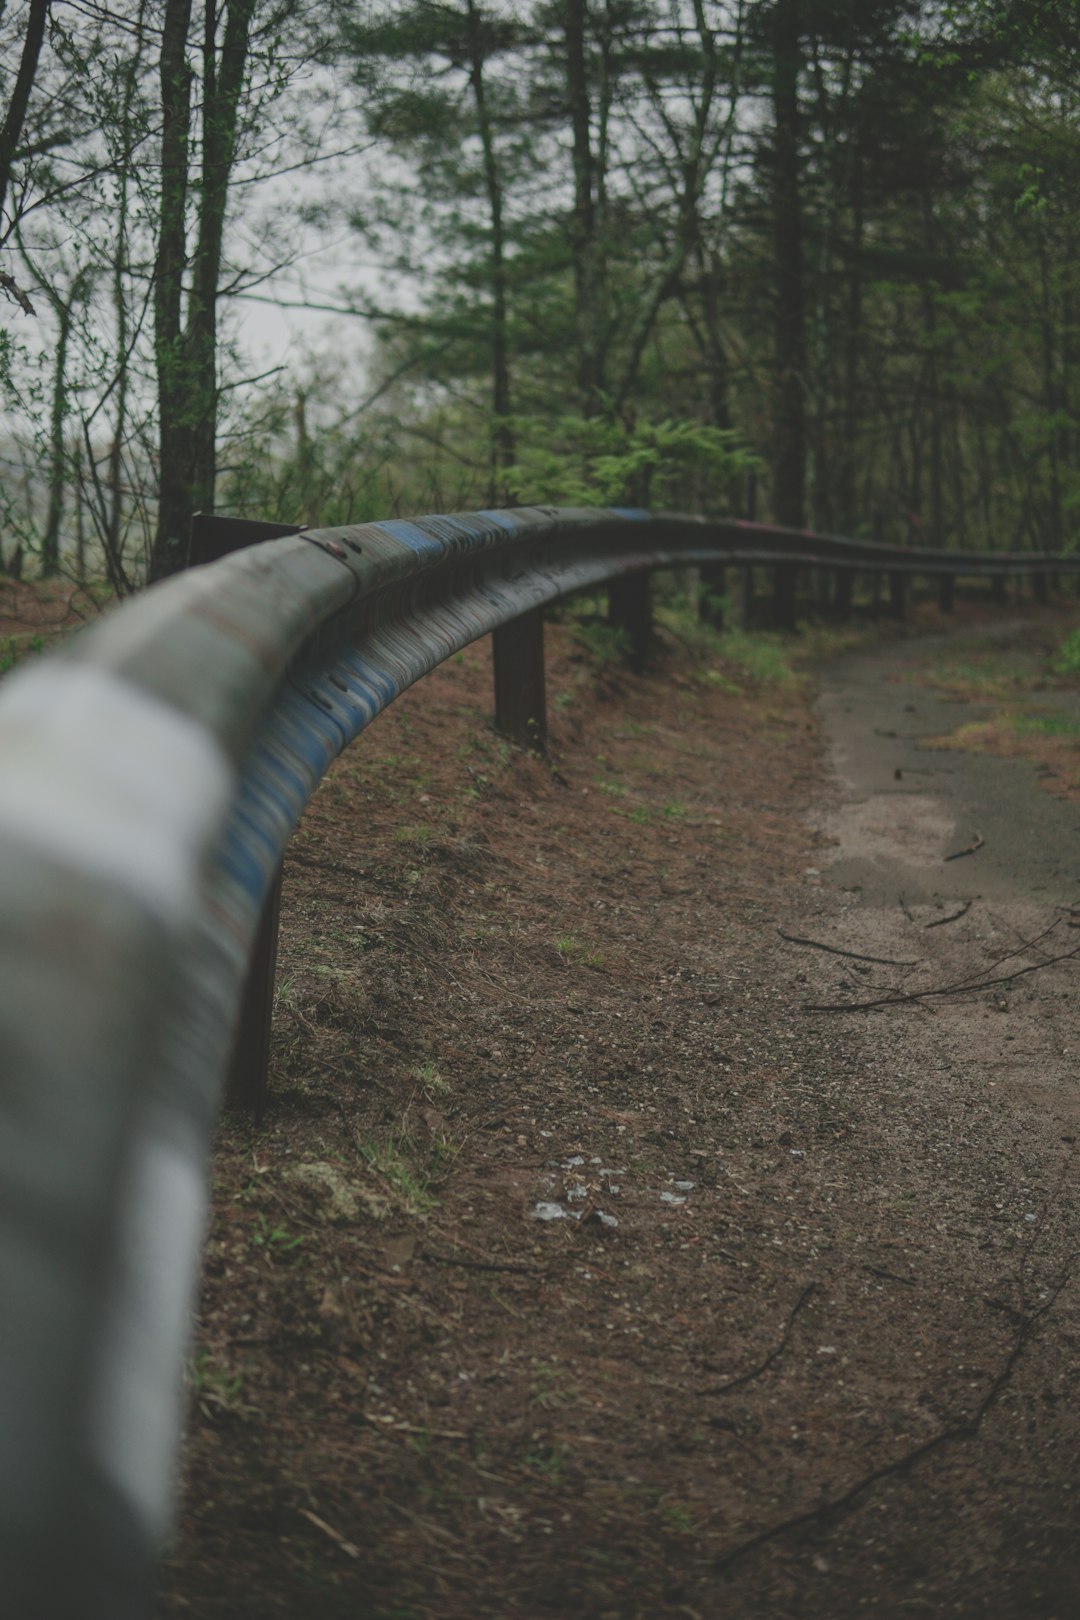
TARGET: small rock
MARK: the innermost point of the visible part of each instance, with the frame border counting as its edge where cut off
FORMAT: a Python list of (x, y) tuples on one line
[(337, 1198)]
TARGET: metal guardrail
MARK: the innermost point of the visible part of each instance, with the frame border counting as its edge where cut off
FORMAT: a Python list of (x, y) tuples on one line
[(152, 772)]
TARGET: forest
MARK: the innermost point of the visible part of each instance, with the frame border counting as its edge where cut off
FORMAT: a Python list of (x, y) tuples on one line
[(813, 261)]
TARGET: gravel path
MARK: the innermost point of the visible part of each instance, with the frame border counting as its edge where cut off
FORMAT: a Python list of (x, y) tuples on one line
[(802, 1342), (970, 1104)]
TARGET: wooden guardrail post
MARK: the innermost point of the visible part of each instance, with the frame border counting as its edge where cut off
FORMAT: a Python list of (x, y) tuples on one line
[(947, 592), (897, 595), (784, 596), (517, 651), (630, 610), (845, 581), (211, 538), (746, 595), (712, 578), (1039, 585), (997, 587)]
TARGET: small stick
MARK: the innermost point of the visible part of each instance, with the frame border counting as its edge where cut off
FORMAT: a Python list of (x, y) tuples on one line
[(774, 1354), (893, 1276), (939, 922), (961, 1428), (834, 950), (328, 1530), (964, 987), (977, 843)]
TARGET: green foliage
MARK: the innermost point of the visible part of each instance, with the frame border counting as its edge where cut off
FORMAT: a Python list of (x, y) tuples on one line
[(18, 648), (606, 646), (1067, 661), (411, 1182), (627, 460), (575, 953)]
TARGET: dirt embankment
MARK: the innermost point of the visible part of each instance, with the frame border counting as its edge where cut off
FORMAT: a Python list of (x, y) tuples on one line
[(579, 1269)]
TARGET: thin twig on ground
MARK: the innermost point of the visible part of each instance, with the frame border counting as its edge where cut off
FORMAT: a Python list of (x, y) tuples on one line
[(963, 1429), (939, 922), (970, 849), (774, 1354), (962, 987), (856, 956)]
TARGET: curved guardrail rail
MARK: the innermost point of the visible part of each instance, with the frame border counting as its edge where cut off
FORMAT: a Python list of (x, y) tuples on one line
[(152, 772)]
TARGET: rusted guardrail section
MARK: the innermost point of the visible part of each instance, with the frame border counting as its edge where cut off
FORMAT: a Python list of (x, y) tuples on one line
[(151, 775)]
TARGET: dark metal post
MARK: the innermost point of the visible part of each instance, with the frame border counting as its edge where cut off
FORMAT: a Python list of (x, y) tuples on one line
[(1038, 582), (712, 579), (520, 695), (249, 1067), (630, 609), (947, 592), (845, 580), (746, 595), (784, 596), (997, 587), (213, 537), (897, 596)]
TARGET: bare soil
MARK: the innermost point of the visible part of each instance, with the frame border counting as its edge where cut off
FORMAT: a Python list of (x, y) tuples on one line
[(35, 613), (578, 1268)]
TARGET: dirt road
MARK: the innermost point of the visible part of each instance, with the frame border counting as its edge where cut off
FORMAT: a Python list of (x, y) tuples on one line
[(582, 1268)]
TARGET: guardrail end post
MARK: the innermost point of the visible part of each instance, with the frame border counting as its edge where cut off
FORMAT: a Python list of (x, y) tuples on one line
[(845, 582), (249, 1069), (897, 596), (947, 592), (517, 652), (784, 596), (1039, 586), (630, 610)]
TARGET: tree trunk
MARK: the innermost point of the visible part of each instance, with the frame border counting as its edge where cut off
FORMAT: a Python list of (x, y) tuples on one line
[(11, 129), (789, 424), (50, 542), (502, 431), (187, 354), (222, 84), (583, 236), (174, 498)]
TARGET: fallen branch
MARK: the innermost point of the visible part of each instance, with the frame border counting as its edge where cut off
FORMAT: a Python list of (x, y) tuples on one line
[(774, 1354), (346, 1546), (963, 1429), (964, 987), (891, 1276), (977, 843), (835, 950), (939, 922)]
